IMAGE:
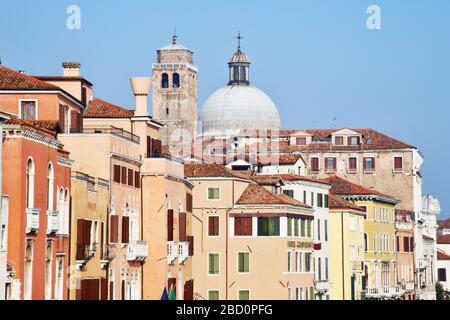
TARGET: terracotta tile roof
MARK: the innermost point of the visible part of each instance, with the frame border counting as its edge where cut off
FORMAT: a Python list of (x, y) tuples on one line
[(203, 170), (444, 224), (443, 239), (442, 255), (343, 187), (268, 180), (297, 177), (50, 128), (337, 203), (103, 109), (287, 159), (257, 195), (62, 78), (13, 80), (321, 141)]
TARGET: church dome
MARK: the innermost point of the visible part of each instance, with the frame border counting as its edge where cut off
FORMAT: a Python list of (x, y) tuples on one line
[(237, 107)]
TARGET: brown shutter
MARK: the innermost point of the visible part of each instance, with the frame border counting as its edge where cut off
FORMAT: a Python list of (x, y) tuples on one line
[(170, 225), (114, 229), (125, 229), (123, 289), (182, 227), (137, 180), (104, 289), (189, 202), (102, 240), (111, 290), (116, 173), (373, 161), (87, 232), (73, 120), (130, 177), (62, 118), (189, 290), (172, 282), (149, 147), (190, 239), (123, 179), (210, 226)]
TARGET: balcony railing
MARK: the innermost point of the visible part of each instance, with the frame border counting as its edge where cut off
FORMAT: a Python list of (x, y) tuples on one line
[(322, 285), (171, 251), (52, 221), (112, 130), (86, 251), (32, 220), (183, 251), (137, 251), (383, 292)]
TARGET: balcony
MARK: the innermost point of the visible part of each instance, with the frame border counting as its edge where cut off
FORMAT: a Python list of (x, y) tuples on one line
[(113, 131), (383, 292), (408, 286), (52, 221), (32, 220), (322, 286), (357, 266), (171, 251), (183, 251), (137, 251), (86, 251)]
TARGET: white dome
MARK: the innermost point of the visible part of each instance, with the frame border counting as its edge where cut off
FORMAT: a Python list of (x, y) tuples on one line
[(233, 108)]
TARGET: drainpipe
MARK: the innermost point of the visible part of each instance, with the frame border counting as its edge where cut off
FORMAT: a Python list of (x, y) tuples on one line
[(142, 235), (108, 214), (342, 256)]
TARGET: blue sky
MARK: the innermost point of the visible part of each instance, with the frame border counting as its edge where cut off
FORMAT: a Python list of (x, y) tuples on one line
[(316, 59)]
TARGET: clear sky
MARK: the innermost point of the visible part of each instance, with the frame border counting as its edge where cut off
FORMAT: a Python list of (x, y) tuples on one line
[(316, 59)]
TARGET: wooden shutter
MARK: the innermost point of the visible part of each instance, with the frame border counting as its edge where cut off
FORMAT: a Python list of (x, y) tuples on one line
[(116, 173), (156, 147), (111, 290), (189, 290), (188, 202), (213, 226), (182, 226), (125, 229), (170, 225), (73, 120), (398, 163), (149, 147), (62, 118), (137, 179), (190, 239), (130, 177), (102, 240), (172, 282), (123, 179), (123, 289), (87, 232), (114, 229), (104, 289)]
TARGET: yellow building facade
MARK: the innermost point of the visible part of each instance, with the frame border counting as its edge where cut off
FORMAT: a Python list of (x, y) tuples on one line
[(346, 251)]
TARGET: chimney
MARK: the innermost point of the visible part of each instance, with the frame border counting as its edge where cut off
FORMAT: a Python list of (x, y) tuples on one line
[(140, 86), (71, 69), (278, 188)]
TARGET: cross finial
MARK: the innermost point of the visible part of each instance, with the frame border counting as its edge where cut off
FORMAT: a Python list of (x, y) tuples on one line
[(239, 37), (174, 37)]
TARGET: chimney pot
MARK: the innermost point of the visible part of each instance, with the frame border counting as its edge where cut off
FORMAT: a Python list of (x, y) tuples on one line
[(141, 86), (71, 69)]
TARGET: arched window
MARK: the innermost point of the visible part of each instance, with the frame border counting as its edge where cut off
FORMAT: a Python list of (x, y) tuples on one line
[(30, 183), (165, 80), (50, 186), (28, 277), (365, 242), (66, 212), (176, 80)]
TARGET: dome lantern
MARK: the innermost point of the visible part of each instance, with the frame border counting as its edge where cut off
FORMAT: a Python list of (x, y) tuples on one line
[(239, 66)]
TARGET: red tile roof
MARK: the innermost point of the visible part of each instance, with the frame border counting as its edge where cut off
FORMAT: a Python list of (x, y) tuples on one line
[(103, 109), (272, 179), (268, 180), (379, 140), (257, 195), (341, 186), (49, 128), (203, 170), (337, 203), (13, 80), (443, 239), (442, 255), (62, 78), (297, 177), (444, 224)]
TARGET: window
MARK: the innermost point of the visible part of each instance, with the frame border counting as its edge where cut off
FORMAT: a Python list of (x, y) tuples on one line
[(244, 295), (116, 173), (307, 262), (319, 268), (213, 266), (398, 163), (326, 268), (289, 193), (442, 275), (130, 177), (268, 227), (330, 163), (326, 201), (300, 141), (308, 228), (137, 180), (243, 226), (314, 164), (353, 141), (213, 294), (339, 141), (289, 228), (50, 186), (326, 229), (304, 197), (123, 177), (213, 193), (318, 229), (320, 200), (369, 164), (165, 81), (352, 164), (302, 228), (28, 110), (312, 199), (30, 184), (243, 262), (176, 80), (213, 226), (289, 261), (295, 227), (243, 74)]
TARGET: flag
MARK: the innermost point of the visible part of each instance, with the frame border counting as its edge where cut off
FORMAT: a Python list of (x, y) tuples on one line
[(172, 295)]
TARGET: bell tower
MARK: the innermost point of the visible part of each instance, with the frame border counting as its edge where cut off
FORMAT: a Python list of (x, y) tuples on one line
[(174, 84)]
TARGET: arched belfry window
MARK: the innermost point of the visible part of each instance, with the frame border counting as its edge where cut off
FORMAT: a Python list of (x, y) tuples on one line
[(165, 80), (176, 80)]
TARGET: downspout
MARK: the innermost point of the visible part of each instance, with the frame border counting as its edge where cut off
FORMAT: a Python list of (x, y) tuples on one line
[(342, 256), (142, 236), (108, 214)]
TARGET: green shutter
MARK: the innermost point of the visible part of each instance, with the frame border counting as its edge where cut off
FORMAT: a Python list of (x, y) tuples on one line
[(213, 263), (295, 227), (308, 226), (216, 263), (290, 226), (312, 199), (302, 228), (326, 201), (213, 295), (244, 295), (246, 262), (311, 293), (262, 226)]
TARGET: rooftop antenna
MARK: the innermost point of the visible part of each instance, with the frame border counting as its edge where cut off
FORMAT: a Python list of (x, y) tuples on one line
[(239, 37)]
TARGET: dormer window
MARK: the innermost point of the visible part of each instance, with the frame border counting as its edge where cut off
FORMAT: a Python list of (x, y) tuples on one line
[(339, 141), (353, 141), (300, 141)]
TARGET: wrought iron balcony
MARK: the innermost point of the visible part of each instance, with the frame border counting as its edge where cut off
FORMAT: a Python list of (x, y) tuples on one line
[(52, 221), (32, 220), (137, 251)]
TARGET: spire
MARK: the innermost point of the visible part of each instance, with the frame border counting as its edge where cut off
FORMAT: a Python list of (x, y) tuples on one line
[(239, 65), (239, 37), (174, 37)]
